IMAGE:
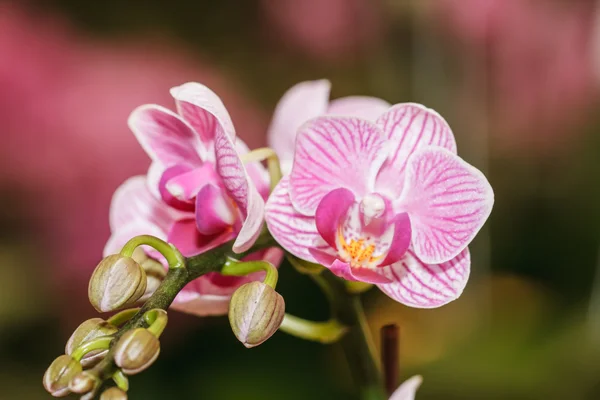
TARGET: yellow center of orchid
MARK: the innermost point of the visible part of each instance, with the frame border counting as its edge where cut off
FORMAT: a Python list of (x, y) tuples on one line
[(359, 253)]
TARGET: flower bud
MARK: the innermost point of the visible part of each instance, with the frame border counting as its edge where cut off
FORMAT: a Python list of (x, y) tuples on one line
[(116, 282), (83, 382), (136, 350), (59, 374), (88, 330), (255, 313), (113, 393)]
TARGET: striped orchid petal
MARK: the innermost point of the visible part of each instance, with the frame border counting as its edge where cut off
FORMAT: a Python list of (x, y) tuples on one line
[(166, 137), (334, 152), (203, 110), (302, 102), (295, 232), (369, 108), (242, 191), (421, 285), (409, 127), (448, 201)]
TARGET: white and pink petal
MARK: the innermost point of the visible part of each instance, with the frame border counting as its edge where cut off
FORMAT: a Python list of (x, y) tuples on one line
[(304, 101), (408, 128), (366, 107), (422, 285), (242, 191), (203, 110), (331, 153), (166, 137), (448, 202), (408, 389), (295, 232)]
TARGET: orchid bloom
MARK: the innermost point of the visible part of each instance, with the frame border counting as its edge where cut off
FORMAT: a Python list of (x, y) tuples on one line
[(408, 389), (195, 166), (307, 100), (386, 202)]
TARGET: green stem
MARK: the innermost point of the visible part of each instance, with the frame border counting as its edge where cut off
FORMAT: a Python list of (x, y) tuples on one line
[(121, 380), (324, 332), (171, 254), (157, 321), (234, 267), (266, 153), (122, 317), (101, 343), (357, 343)]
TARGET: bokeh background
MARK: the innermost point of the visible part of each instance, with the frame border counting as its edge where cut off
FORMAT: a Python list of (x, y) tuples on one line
[(518, 80)]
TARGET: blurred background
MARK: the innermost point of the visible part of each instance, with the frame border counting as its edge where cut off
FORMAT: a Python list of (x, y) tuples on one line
[(518, 80)]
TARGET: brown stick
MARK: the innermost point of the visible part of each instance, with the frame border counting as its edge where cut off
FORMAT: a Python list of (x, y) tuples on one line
[(390, 338)]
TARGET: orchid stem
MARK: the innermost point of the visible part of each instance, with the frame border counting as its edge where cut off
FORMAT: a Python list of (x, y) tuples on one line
[(156, 320), (170, 252), (357, 343), (121, 317), (323, 332), (101, 343), (121, 380), (234, 267)]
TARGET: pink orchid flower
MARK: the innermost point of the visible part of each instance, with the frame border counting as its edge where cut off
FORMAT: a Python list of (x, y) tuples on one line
[(307, 100), (195, 166), (408, 389), (388, 203)]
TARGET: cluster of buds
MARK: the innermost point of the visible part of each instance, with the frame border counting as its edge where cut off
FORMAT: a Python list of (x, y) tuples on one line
[(118, 281)]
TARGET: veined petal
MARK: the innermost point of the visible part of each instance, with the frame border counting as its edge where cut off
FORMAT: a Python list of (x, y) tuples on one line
[(408, 389), (215, 211), (295, 232), (366, 107), (184, 235), (448, 201), (409, 127), (242, 191), (330, 213), (203, 110), (334, 152), (300, 103), (165, 136), (133, 202), (422, 285)]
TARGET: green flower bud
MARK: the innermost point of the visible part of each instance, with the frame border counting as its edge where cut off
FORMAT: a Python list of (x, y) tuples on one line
[(59, 374), (117, 281), (256, 311), (83, 382), (113, 393), (136, 350), (88, 330)]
